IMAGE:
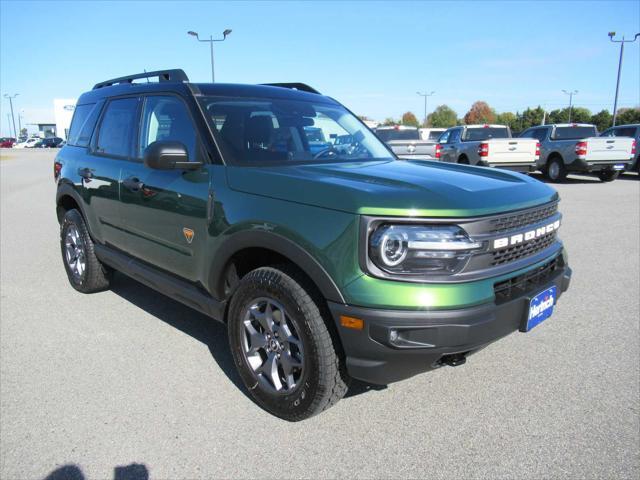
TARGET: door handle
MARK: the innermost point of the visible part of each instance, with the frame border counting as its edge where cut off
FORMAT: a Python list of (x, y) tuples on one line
[(85, 173), (133, 183)]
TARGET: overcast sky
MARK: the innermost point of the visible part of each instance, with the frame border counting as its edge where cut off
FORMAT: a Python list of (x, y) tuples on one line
[(371, 56)]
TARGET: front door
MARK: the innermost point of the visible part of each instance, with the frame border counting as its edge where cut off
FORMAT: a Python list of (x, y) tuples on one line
[(164, 212)]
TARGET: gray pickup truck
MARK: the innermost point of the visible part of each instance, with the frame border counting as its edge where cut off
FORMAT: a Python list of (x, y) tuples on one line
[(407, 143), (488, 146), (575, 147)]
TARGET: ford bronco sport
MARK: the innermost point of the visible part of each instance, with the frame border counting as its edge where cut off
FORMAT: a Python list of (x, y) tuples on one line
[(325, 265)]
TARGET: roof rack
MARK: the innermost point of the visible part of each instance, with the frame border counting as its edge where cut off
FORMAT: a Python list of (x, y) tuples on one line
[(303, 87), (174, 76)]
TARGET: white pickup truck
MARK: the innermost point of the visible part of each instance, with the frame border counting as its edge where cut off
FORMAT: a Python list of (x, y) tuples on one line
[(575, 147), (488, 146)]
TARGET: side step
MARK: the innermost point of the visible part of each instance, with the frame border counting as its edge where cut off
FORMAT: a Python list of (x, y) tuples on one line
[(180, 290)]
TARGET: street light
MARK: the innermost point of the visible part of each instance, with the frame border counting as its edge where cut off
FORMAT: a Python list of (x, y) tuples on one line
[(571, 94), (621, 42), (426, 96), (13, 120), (225, 34)]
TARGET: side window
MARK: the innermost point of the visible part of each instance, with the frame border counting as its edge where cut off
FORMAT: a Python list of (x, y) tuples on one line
[(527, 134), (82, 124), (444, 138), (118, 127), (167, 118), (608, 133), (455, 136), (540, 134)]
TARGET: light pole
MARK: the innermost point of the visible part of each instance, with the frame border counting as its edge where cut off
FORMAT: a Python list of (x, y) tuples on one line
[(426, 96), (621, 42), (211, 40), (13, 120), (571, 94)]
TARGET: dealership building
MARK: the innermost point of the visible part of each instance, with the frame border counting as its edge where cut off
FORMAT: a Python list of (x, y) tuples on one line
[(62, 112)]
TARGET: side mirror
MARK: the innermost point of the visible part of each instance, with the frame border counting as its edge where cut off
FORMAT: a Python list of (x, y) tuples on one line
[(168, 155)]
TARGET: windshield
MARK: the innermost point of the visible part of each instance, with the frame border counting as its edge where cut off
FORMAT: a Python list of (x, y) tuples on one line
[(485, 133), (574, 133), (389, 134), (267, 131)]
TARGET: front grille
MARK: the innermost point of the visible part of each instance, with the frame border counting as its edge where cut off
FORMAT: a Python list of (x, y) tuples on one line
[(510, 222), (508, 289), (521, 250)]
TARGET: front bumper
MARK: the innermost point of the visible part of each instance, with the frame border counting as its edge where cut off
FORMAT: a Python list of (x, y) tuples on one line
[(398, 344)]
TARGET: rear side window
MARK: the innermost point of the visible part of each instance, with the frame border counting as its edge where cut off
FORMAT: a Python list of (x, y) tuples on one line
[(82, 124), (118, 127), (388, 134)]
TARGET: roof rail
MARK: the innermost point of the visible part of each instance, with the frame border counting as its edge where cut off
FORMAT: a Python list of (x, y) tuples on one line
[(174, 76), (303, 87)]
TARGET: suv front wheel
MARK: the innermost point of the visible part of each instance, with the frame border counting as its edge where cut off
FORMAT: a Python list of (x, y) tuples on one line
[(281, 345)]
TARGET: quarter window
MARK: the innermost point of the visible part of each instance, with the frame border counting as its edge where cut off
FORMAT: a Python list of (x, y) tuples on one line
[(118, 127), (82, 124), (166, 118)]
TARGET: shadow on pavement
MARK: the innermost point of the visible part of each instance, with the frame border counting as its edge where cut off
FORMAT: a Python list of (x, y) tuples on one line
[(569, 180), (134, 471), (199, 326)]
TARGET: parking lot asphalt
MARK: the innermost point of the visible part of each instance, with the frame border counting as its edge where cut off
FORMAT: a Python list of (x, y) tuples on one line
[(128, 382)]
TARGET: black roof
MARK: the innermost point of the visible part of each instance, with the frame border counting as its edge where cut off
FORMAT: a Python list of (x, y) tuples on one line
[(176, 81)]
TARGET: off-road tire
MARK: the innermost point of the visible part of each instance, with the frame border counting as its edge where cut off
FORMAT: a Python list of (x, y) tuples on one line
[(608, 175), (324, 380), (96, 276)]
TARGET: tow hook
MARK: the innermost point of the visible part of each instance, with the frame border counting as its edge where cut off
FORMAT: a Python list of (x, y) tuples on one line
[(455, 360)]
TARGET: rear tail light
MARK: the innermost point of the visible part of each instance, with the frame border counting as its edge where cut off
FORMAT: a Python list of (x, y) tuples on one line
[(581, 148), (537, 149), (57, 166), (633, 148), (439, 150), (483, 150)]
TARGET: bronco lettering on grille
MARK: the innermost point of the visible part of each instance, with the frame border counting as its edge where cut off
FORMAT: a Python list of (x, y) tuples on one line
[(526, 236)]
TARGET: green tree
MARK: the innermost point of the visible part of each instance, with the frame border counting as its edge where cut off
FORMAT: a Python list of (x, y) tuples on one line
[(389, 121), (628, 115), (442, 117), (480, 112), (578, 115), (602, 120), (507, 118), (531, 117), (410, 120)]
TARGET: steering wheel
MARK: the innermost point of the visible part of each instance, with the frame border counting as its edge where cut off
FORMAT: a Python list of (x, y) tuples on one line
[(326, 151)]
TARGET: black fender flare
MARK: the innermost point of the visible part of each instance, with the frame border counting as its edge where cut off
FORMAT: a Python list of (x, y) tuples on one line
[(67, 190), (272, 241)]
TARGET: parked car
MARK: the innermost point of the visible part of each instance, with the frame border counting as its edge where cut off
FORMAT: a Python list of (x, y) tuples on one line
[(29, 143), (50, 142), (430, 133), (576, 147), (7, 142), (317, 141), (406, 143), (324, 266), (488, 146), (631, 131)]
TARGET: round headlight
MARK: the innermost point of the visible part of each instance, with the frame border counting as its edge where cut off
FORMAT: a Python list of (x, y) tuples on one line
[(393, 248)]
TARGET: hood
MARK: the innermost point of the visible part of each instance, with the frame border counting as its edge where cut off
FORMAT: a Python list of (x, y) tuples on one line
[(395, 188)]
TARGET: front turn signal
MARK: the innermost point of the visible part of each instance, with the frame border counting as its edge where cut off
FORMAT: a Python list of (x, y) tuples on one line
[(351, 322)]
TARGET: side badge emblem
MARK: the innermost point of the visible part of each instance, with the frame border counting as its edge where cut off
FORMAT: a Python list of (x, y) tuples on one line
[(188, 234)]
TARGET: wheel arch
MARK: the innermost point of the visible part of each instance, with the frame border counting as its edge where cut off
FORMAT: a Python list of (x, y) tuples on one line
[(253, 249), (68, 198)]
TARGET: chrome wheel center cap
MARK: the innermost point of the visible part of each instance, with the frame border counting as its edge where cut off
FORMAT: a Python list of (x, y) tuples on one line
[(274, 346)]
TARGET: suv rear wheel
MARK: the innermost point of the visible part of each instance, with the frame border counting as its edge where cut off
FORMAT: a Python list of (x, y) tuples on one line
[(86, 273), (282, 347)]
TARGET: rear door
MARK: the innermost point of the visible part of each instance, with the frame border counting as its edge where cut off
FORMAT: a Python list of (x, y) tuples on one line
[(99, 164), (164, 212)]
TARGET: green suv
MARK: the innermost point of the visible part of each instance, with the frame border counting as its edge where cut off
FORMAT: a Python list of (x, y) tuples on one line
[(326, 264)]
